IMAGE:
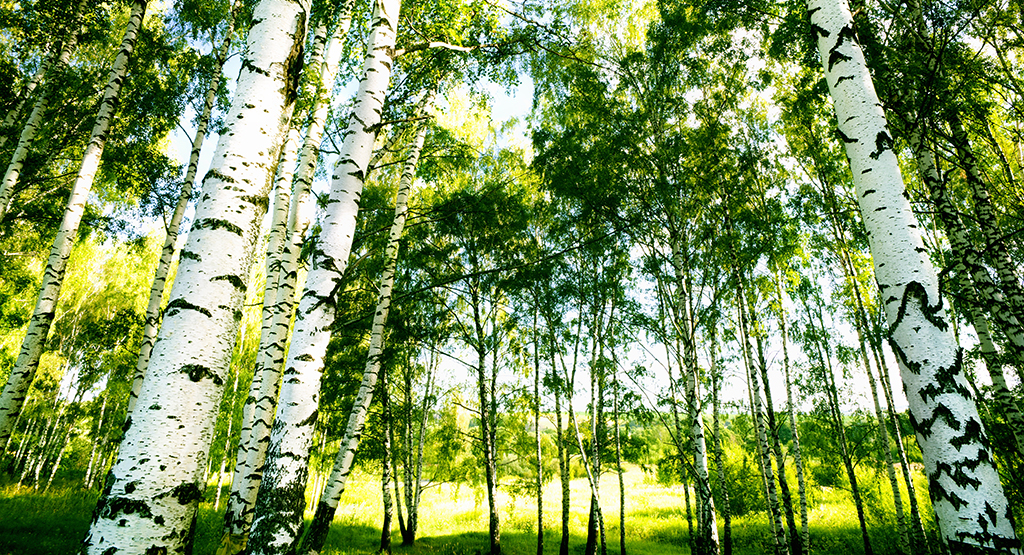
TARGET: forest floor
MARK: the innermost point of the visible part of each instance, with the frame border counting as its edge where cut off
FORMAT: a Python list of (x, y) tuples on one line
[(453, 521)]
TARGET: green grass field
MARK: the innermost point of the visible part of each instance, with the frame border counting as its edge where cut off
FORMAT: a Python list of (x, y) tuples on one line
[(453, 520)]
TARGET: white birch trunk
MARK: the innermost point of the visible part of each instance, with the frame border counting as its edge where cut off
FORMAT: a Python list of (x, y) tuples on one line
[(357, 418), (279, 298), (156, 481), (971, 508), (280, 501), (13, 396), (163, 267), (15, 113), (35, 118)]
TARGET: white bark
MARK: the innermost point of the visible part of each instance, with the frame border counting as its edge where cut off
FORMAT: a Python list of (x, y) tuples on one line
[(156, 480), (35, 118), (156, 290), (282, 273), (280, 502), (971, 508), (357, 418), (13, 396)]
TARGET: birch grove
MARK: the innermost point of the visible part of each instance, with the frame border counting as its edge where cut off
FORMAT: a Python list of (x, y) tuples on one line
[(281, 500), (13, 396), (686, 203)]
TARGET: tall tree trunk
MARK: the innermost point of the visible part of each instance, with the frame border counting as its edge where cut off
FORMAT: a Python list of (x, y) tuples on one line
[(919, 542), (776, 446), (258, 411), (882, 430), (155, 488), (723, 482), (971, 508), (49, 66), (995, 246), (775, 509), (805, 534), (618, 455), (156, 291), (227, 435), (536, 433), (563, 455), (13, 396), (15, 113), (357, 418), (385, 480), (839, 428)]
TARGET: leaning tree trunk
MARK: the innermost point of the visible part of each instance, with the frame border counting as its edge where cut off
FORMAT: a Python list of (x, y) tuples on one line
[(258, 411), (357, 418), (163, 267), (35, 118), (13, 396), (15, 113), (281, 501), (155, 485), (971, 509), (995, 246), (966, 257)]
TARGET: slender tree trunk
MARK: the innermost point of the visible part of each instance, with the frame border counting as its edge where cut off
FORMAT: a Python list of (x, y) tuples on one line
[(156, 482), (536, 433), (563, 455), (995, 247), (227, 435), (385, 481), (803, 544), (35, 118), (15, 113), (967, 259), (357, 418), (971, 508), (919, 542), (618, 455), (723, 482), (775, 509), (13, 396), (776, 446), (1001, 391)]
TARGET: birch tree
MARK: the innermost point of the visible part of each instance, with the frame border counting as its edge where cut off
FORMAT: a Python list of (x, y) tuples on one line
[(357, 418), (155, 485), (971, 509), (156, 291), (13, 396), (280, 502)]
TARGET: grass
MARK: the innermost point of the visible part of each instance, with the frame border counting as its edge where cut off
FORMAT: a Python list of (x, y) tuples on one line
[(453, 521)]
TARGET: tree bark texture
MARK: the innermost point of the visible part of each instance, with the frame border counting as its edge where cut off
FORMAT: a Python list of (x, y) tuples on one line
[(971, 508), (357, 418), (156, 482), (280, 502), (163, 267)]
